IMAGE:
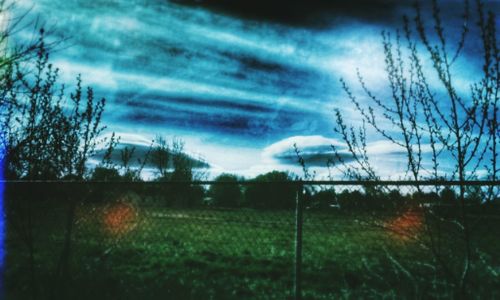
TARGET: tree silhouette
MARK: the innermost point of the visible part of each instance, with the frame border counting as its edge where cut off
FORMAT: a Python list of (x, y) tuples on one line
[(227, 194), (47, 135), (270, 192), (456, 127)]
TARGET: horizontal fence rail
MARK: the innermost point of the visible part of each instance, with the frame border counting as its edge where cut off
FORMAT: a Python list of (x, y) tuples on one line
[(294, 182)]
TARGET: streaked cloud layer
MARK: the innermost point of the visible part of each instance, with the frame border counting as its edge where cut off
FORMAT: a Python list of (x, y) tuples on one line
[(229, 79)]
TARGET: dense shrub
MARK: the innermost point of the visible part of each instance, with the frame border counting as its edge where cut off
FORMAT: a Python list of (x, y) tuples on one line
[(226, 195), (271, 191), (351, 200), (323, 199)]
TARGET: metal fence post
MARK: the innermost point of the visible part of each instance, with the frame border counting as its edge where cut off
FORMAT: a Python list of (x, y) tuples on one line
[(298, 245)]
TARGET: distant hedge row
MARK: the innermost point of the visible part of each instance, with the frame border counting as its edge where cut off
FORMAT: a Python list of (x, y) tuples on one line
[(280, 195)]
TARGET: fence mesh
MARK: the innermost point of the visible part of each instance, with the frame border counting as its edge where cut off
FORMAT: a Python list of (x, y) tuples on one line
[(188, 241)]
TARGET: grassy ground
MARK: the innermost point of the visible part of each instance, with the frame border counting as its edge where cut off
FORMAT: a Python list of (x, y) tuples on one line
[(123, 251)]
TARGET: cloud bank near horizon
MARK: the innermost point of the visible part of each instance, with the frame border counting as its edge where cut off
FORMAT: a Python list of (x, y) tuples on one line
[(319, 151)]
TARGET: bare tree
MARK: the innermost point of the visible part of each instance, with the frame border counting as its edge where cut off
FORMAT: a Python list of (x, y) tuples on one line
[(160, 157), (48, 135), (45, 134), (451, 126)]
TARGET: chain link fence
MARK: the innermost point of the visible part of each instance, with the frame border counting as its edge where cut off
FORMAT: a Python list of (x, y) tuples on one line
[(274, 240)]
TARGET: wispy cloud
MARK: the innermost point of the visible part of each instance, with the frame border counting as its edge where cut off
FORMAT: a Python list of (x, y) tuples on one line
[(317, 150), (218, 75)]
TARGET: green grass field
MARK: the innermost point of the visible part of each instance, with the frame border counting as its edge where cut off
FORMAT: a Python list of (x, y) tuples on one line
[(122, 251)]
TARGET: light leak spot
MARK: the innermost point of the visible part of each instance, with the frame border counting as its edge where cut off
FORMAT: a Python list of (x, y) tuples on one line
[(119, 218), (406, 226)]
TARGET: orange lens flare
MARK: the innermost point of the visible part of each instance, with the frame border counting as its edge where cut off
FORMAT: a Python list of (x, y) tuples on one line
[(406, 226), (119, 218)]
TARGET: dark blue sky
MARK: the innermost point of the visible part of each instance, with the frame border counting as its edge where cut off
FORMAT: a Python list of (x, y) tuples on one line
[(238, 81)]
